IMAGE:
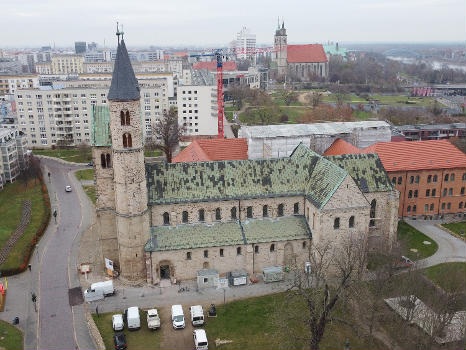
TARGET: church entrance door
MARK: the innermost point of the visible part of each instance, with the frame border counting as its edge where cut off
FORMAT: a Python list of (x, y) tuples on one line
[(164, 271)]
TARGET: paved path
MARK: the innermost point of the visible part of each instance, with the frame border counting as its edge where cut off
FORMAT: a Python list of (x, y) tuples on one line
[(450, 248)]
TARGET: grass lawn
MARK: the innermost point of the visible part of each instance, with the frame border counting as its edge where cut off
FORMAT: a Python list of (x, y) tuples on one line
[(85, 174), (250, 324), (457, 227), (143, 339), (11, 202), (75, 155), (446, 273), (12, 337), (411, 238), (90, 191), (393, 100), (362, 115), (152, 153)]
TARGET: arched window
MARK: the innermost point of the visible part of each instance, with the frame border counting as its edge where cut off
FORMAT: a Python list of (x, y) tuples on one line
[(185, 216), (122, 117), (256, 249), (411, 179), (127, 140), (336, 223), (272, 247), (233, 213), (166, 218), (432, 207), (414, 208), (446, 177), (280, 209), (434, 179), (452, 177), (127, 119), (249, 212), (372, 213), (351, 222), (399, 180), (238, 251), (103, 162), (460, 206), (107, 159), (410, 194), (417, 179), (218, 215), (296, 208), (408, 209), (201, 215), (265, 211), (394, 180)]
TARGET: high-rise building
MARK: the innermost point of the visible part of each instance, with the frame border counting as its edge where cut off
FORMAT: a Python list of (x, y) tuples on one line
[(245, 44), (80, 47), (13, 155)]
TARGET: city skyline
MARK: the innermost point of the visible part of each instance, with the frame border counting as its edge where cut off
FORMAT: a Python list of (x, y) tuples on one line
[(207, 23)]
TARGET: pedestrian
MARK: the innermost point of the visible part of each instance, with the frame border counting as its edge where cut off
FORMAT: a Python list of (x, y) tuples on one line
[(29, 267), (97, 310)]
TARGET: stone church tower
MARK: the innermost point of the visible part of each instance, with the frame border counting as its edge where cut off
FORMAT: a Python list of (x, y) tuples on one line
[(280, 45), (126, 163)]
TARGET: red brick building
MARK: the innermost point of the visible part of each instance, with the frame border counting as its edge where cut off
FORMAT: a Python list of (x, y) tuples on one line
[(430, 175)]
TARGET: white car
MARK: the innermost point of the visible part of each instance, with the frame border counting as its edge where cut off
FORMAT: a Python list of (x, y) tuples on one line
[(67, 188), (117, 322), (153, 319), (200, 339)]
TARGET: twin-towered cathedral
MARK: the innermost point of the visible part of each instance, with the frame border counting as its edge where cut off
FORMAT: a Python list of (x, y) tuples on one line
[(167, 221)]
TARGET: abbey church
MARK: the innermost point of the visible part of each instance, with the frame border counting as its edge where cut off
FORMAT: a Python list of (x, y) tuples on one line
[(167, 221)]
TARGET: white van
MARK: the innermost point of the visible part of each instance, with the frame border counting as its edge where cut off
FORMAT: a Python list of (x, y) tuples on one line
[(200, 339), (132, 318), (99, 290), (197, 315), (177, 316)]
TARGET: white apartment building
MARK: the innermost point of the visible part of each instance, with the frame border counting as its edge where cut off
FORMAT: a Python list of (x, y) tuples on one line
[(10, 83), (13, 155), (197, 110), (61, 114), (245, 44), (62, 64)]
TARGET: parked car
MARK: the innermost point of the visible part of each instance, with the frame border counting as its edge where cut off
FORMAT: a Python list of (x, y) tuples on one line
[(153, 319), (197, 315), (132, 318), (90, 164), (99, 290), (120, 341), (117, 322), (404, 263), (200, 339), (177, 317), (67, 188)]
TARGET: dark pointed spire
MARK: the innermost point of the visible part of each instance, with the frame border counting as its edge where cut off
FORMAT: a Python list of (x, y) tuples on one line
[(283, 25), (124, 85)]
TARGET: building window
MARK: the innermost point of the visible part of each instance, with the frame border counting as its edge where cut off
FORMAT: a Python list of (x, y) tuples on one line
[(399, 180), (452, 177), (462, 190), (410, 194), (249, 212), (201, 215), (426, 208), (206, 253), (336, 223), (107, 160), (238, 251), (443, 206), (218, 215), (460, 205), (221, 252), (429, 179), (372, 213), (272, 247), (446, 177), (408, 209), (265, 211), (233, 213), (127, 140), (280, 209), (304, 245), (351, 222), (415, 193), (444, 192), (432, 207), (256, 249), (464, 176), (411, 179), (296, 208), (414, 208), (188, 256), (448, 205), (434, 191), (450, 192), (417, 179), (166, 218), (124, 118), (434, 178), (103, 162), (394, 180), (427, 193), (185, 216)]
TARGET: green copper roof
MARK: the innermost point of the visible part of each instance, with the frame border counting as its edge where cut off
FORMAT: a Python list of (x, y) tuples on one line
[(304, 173), (219, 234), (274, 230), (100, 119), (366, 170), (194, 236)]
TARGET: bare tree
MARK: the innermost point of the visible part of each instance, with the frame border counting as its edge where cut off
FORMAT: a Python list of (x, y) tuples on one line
[(313, 298), (167, 133), (314, 98), (288, 96)]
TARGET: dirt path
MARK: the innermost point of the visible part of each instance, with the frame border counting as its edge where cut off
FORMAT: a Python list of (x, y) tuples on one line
[(175, 338)]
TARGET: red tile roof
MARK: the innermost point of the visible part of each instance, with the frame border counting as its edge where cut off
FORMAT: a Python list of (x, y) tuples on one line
[(409, 155), (306, 53), (215, 149), (340, 146), (212, 65)]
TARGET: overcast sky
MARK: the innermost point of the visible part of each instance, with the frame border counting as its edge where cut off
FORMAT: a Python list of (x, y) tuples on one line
[(208, 22)]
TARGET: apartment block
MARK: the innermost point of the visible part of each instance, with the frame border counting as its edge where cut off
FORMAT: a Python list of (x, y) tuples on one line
[(13, 155), (62, 64), (60, 115), (10, 83)]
